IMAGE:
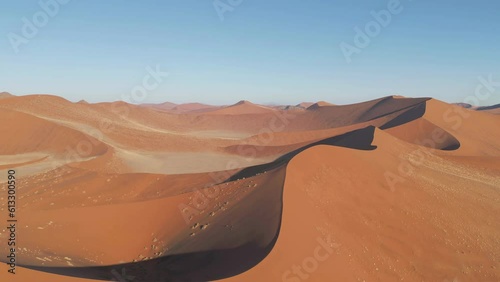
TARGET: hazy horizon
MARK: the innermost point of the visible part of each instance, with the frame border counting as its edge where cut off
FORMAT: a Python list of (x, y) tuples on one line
[(279, 52), (236, 101)]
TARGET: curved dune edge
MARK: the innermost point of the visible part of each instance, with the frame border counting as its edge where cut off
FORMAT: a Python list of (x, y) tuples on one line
[(33, 134), (242, 218), (356, 171), (321, 193), (422, 131), (181, 265), (345, 225), (20, 164)]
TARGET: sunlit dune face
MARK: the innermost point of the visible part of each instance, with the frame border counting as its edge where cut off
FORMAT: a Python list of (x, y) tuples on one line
[(390, 189)]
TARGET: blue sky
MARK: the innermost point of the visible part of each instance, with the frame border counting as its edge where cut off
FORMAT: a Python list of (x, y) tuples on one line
[(264, 51)]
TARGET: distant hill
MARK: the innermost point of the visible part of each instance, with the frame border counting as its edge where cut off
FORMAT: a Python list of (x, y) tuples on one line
[(242, 107), (319, 105), (494, 109), (5, 95)]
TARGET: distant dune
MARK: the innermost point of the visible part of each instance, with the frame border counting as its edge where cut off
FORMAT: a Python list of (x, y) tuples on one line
[(193, 107), (494, 109), (319, 105), (242, 108), (180, 108), (393, 189), (4, 95), (305, 105), (163, 106)]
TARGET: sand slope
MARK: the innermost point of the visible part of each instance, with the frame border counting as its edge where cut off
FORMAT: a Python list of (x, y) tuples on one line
[(241, 108), (386, 190), (338, 223)]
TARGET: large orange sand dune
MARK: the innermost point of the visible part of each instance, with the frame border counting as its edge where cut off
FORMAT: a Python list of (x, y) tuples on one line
[(394, 189)]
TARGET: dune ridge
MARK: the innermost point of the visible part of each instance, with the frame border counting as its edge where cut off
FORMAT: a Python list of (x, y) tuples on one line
[(331, 192)]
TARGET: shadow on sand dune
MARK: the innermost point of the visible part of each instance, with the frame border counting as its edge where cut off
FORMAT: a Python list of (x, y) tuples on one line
[(486, 108), (409, 115), (214, 264), (447, 142), (360, 139), (199, 266)]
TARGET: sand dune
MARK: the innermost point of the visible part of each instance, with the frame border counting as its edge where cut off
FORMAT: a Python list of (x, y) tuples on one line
[(494, 109), (242, 108), (394, 189), (4, 95), (32, 134), (162, 106), (476, 131), (319, 105), (336, 213), (193, 107), (305, 105), (485, 108)]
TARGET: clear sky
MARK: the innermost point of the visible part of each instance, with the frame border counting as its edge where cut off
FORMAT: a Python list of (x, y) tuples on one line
[(280, 51)]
